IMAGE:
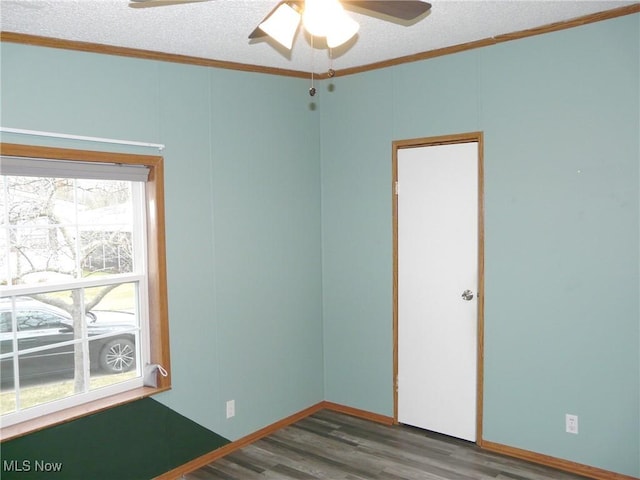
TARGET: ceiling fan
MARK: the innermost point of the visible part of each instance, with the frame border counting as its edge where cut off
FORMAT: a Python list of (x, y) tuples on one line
[(321, 18)]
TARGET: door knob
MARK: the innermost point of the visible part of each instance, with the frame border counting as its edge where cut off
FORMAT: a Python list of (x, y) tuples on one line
[(467, 295)]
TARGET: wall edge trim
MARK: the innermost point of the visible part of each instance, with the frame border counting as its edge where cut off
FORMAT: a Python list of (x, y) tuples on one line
[(90, 47), (538, 458), (238, 444), (356, 412), (555, 462), (42, 41), (484, 42), (268, 430)]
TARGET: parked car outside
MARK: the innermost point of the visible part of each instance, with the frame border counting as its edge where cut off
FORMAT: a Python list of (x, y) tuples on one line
[(41, 325)]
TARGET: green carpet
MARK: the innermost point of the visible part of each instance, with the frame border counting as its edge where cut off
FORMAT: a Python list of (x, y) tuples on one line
[(135, 441)]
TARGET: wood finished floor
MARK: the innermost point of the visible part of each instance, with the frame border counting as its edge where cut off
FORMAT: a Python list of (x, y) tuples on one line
[(333, 446)]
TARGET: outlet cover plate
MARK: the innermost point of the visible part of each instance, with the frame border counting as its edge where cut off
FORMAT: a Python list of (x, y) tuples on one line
[(231, 408), (571, 423)]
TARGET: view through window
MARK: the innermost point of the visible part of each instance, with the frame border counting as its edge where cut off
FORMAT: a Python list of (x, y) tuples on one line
[(73, 273)]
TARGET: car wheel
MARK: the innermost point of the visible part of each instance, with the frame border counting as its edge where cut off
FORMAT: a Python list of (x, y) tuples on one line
[(118, 356)]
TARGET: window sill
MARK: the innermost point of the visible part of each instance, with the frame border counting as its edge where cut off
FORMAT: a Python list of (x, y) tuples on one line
[(69, 414)]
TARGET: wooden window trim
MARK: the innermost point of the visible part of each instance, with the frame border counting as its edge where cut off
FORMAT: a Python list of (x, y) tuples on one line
[(157, 274)]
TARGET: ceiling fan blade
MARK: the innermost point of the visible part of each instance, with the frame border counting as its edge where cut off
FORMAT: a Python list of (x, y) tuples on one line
[(297, 5), (160, 3), (402, 9), (257, 33)]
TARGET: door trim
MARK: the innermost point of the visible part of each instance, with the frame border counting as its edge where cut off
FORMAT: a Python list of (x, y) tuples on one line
[(427, 142)]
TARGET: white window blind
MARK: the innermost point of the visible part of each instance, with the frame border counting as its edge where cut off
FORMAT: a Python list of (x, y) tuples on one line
[(40, 167)]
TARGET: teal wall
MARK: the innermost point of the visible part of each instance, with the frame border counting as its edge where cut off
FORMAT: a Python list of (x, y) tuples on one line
[(279, 242), (561, 120), (242, 215)]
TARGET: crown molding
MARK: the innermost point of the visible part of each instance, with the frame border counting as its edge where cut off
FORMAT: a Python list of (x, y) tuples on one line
[(50, 42)]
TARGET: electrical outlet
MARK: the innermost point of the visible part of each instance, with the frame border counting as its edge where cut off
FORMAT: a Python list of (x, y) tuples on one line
[(571, 423), (231, 408)]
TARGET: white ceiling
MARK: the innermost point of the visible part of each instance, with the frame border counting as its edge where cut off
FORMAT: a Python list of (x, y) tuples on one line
[(218, 29)]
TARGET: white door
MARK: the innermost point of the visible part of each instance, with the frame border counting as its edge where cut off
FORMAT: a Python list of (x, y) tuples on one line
[(437, 263)]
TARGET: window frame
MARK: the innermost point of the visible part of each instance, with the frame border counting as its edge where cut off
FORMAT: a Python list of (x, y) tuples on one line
[(157, 280)]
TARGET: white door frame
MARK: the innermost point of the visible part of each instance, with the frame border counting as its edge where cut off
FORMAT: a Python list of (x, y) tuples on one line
[(425, 142)]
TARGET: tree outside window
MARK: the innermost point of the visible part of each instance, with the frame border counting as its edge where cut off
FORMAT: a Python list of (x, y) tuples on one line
[(68, 232)]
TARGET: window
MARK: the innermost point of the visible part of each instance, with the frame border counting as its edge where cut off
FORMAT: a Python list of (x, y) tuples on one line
[(83, 283)]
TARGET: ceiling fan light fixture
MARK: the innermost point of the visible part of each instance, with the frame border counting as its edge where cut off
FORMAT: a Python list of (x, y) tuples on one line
[(342, 30), (282, 25), (320, 15)]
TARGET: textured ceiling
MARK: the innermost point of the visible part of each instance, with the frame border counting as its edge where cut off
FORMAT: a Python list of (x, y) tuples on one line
[(218, 29)]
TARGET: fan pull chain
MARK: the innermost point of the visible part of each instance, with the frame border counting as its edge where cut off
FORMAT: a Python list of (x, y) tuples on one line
[(331, 72), (312, 90)]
